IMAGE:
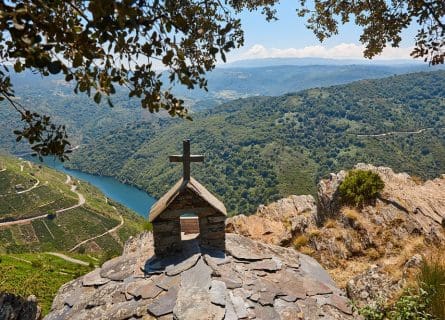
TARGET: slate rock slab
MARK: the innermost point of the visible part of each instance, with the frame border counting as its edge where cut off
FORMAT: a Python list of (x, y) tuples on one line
[(145, 289), (186, 264), (164, 304), (218, 293), (314, 287), (119, 268), (166, 282), (269, 265), (287, 310), (194, 304), (239, 306), (198, 276), (94, 279), (250, 281), (266, 313)]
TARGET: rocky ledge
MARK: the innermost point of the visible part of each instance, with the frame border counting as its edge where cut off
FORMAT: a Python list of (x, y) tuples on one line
[(251, 280), (371, 251)]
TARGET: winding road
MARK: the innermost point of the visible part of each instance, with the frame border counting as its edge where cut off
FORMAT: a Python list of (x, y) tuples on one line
[(66, 258), (101, 235), (33, 187), (27, 220), (392, 133), (81, 202)]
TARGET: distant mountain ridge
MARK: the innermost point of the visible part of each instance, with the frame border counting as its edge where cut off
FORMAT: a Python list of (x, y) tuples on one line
[(304, 61), (262, 148)]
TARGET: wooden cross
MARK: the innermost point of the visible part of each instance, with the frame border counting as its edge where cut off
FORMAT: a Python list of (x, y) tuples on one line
[(186, 158)]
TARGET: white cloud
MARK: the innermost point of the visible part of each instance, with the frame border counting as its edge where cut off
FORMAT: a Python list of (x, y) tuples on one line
[(340, 51)]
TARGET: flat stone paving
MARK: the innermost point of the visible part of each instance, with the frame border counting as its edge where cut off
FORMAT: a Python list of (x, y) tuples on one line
[(251, 280)]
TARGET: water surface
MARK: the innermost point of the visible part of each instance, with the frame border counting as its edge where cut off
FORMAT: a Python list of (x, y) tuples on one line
[(129, 196)]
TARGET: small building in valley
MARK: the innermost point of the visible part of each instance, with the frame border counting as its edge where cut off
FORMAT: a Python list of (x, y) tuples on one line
[(187, 196)]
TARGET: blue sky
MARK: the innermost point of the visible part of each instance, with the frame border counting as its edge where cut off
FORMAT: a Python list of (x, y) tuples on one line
[(289, 37)]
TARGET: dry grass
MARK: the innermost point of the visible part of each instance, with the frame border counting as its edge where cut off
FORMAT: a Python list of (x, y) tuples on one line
[(351, 214), (431, 278), (300, 241), (417, 180), (330, 223), (372, 254), (313, 233), (307, 251)]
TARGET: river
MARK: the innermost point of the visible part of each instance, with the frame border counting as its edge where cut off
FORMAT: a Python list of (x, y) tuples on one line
[(129, 196)]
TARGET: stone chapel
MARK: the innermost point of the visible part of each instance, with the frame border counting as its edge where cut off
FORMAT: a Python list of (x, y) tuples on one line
[(187, 196)]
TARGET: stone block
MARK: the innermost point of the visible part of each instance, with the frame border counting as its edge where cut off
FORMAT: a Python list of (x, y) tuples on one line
[(215, 235), (214, 219)]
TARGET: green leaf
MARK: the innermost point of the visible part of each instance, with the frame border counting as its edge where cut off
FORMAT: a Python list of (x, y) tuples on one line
[(54, 67), (97, 97)]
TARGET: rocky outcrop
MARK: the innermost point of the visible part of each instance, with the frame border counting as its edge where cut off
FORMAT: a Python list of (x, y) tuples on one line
[(278, 222), (421, 205), (16, 308), (365, 250), (251, 280)]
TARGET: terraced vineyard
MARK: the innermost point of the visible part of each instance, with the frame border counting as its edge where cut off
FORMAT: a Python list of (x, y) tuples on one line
[(42, 210), (39, 274)]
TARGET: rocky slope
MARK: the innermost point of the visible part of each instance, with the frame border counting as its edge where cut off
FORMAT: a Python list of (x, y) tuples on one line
[(16, 308), (252, 280), (371, 252)]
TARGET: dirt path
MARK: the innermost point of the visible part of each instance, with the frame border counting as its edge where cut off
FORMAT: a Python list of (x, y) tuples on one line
[(69, 259), (393, 133), (28, 220), (33, 187), (101, 235), (81, 200)]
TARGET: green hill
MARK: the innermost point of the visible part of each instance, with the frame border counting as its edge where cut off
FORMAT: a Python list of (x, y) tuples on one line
[(262, 148), (85, 120), (27, 247), (39, 274), (44, 210)]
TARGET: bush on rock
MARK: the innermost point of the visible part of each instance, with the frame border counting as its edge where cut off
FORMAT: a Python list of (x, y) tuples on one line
[(360, 187)]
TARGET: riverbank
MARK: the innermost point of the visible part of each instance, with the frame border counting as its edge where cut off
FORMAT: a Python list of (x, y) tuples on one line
[(127, 195)]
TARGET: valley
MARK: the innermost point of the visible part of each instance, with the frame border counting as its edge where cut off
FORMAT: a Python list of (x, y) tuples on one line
[(59, 213), (260, 149), (54, 228)]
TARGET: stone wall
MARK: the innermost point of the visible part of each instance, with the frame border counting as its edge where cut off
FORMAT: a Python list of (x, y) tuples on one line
[(213, 231), (167, 227), (167, 236)]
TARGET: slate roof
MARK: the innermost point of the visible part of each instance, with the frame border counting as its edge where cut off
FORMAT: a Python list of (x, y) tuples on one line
[(180, 187)]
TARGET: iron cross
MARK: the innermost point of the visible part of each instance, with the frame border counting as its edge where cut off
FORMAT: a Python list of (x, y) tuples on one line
[(186, 158)]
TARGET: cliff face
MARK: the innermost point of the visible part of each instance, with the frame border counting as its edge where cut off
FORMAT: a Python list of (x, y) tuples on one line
[(16, 308), (370, 252), (251, 280)]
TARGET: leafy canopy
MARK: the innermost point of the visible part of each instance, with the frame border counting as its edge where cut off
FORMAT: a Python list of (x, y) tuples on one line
[(360, 187), (101, 44)]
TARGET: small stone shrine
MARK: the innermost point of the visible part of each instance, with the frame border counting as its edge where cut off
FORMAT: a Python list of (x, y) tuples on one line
[(187, 196)]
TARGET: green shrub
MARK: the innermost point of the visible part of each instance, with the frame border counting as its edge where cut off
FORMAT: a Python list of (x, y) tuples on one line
[(412, 305), (147, 226), (360, 187), (431, 279), (426, 301)]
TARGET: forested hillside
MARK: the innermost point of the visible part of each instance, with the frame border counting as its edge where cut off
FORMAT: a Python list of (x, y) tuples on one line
[(85, 120), (262, 148)]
